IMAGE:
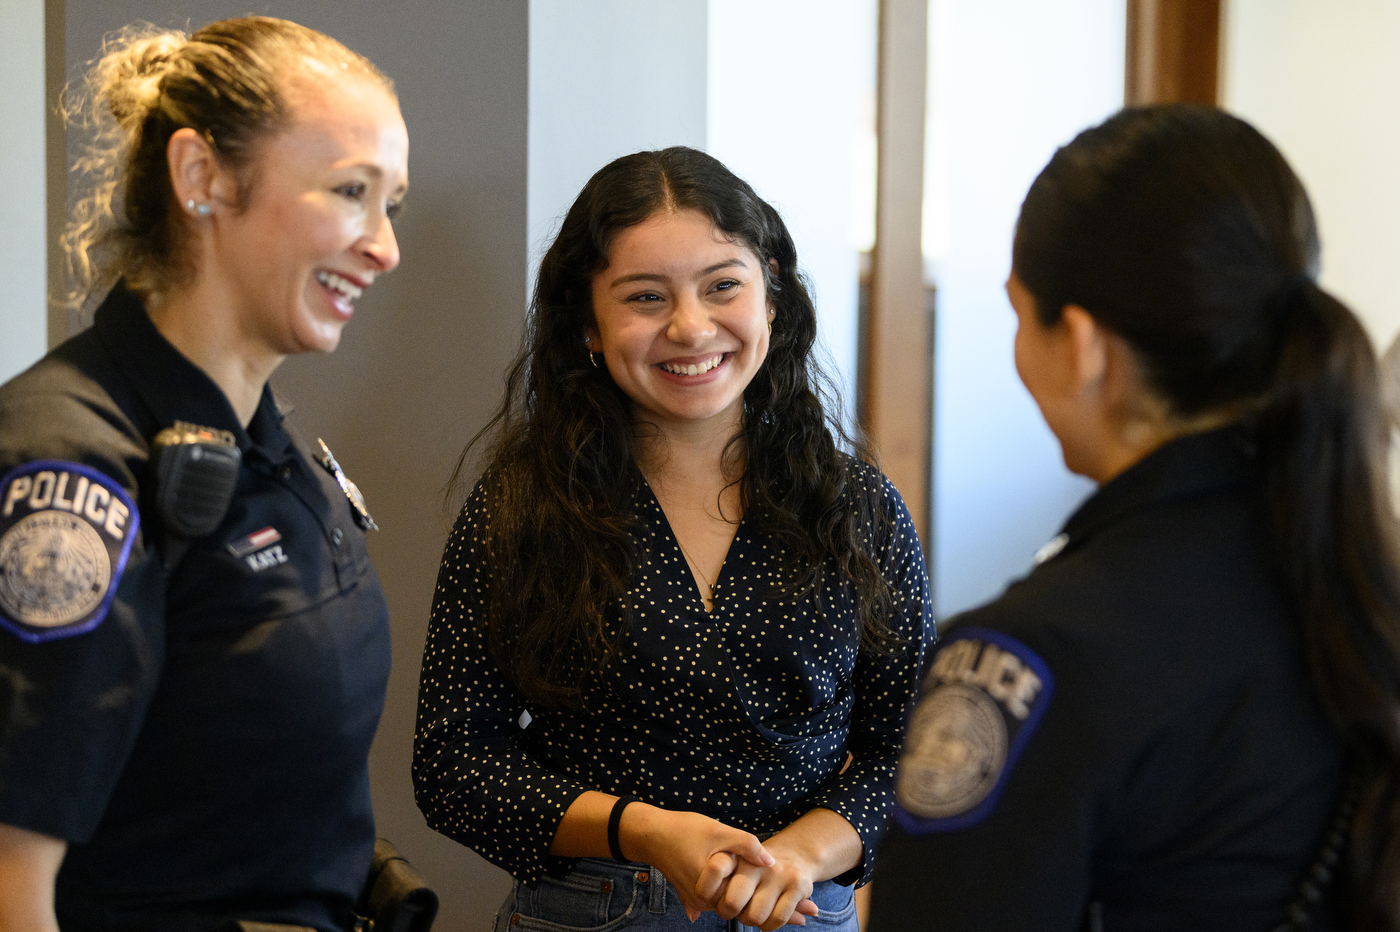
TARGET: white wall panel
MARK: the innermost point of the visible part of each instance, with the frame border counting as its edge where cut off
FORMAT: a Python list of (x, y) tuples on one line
[(607, 77), (786, 79), (1009, 81), (1321, 78)]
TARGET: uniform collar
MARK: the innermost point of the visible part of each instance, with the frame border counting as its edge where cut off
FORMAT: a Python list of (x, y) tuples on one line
[(172, 387), (1188, 466)]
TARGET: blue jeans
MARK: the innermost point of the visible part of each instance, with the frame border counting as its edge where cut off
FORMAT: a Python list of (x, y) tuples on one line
[(604, 896)]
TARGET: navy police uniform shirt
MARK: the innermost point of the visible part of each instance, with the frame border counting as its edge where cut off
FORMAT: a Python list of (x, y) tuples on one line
[(199, 736), (1127, 738)]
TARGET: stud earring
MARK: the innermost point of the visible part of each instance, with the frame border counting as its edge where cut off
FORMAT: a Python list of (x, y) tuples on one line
[(199, 210)]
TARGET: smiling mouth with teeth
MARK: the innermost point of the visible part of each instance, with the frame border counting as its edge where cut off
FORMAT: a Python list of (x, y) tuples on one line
[(347, 289), (694, 368)]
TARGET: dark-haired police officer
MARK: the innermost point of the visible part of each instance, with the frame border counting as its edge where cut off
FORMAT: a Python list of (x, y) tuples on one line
[(188, 688), (1127, 737)]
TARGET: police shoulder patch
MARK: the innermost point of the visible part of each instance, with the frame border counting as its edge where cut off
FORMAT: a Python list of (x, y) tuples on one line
[(983, 697), (66, 531)]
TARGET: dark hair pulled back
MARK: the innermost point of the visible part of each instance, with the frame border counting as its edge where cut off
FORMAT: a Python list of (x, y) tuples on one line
[(227, 81), (1183, 230), (560, 477)]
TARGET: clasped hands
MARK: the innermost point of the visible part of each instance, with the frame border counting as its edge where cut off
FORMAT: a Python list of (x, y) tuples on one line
[(714, 866), (766, 896)]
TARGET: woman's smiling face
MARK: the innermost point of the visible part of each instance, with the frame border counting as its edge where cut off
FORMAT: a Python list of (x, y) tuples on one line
[(317, 227), (681, 317)]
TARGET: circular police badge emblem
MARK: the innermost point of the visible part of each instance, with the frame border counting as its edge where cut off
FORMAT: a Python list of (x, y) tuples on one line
[(955, 752), (54, 570)]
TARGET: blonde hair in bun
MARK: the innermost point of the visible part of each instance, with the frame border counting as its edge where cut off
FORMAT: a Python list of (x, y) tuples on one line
[(130, 81), (226, 82)]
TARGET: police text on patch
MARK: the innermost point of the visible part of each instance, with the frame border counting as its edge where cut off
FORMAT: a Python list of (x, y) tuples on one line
[(49, 489), (998, 672), (983, 697)]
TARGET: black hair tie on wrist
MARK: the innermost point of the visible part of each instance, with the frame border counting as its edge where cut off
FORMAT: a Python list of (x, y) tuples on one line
[(614, 822)]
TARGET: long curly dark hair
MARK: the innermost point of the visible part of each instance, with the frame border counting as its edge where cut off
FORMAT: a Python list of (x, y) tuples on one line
[(1185, 232), (560, 479)]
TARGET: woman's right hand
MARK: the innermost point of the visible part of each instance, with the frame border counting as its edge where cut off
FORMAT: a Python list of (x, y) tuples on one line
[(688, 847)]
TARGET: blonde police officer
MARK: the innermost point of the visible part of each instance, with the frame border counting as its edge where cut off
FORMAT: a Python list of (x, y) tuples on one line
[(193, 645)]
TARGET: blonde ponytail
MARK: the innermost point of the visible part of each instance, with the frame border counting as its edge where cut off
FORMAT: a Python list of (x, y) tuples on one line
[(110, 107)]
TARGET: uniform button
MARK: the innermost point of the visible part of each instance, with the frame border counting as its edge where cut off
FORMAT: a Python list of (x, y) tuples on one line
[(336, 536)]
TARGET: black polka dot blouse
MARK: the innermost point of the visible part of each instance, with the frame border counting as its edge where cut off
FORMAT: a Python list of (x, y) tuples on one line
[(745, 714)]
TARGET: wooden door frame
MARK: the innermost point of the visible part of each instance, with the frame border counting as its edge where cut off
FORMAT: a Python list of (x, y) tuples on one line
[(1173, 52), (896, 365)]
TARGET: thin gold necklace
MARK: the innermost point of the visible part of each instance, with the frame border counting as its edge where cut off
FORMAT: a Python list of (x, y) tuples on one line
[(695, 568)]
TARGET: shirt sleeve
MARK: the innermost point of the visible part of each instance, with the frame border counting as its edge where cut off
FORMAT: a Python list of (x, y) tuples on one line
[(996, 795), (884, 687), (473, 779), (82, 611)]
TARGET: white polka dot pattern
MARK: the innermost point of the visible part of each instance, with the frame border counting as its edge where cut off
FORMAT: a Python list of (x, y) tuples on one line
[(745, 714)]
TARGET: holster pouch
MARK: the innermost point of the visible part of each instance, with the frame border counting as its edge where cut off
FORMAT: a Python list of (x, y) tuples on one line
[(396, 897)]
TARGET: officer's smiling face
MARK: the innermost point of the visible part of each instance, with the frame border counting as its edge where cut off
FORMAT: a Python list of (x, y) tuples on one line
[(317, 226)]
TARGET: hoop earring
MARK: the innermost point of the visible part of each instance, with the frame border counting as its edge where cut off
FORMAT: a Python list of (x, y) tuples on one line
[(199, 210), (593, 358)]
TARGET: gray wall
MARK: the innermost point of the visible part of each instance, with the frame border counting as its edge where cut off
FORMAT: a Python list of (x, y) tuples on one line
[(419, 368)]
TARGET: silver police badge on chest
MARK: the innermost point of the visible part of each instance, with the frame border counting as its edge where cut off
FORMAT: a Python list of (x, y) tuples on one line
[(351, 490)]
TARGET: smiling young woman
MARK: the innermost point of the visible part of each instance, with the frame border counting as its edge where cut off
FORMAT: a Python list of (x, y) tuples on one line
[(705, 604), (188, 748), (681, 320), (681, 317)]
